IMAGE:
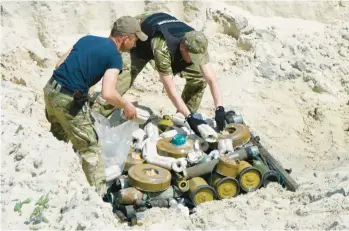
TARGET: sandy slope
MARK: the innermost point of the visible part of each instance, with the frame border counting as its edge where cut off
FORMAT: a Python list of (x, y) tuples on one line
[(289, 77)]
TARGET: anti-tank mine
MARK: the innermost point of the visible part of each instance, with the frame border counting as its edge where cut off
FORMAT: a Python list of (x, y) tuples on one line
[(168, 165)]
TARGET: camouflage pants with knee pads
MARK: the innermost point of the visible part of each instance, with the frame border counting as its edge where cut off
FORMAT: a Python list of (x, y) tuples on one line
[(78, 129)]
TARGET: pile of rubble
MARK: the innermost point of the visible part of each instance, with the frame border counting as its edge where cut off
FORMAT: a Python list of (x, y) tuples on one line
[(166, 165)]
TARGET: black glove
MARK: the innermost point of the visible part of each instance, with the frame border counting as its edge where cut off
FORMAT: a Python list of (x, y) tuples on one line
[(194, 123), (220, 118)]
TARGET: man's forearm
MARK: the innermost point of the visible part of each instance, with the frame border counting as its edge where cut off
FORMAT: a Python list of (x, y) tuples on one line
[(115, 99), (213, 84), (179, 104), (175, 98), (109, 93), (216, 93)]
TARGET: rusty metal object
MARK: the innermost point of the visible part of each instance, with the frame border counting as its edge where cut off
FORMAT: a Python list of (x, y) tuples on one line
[(129, 196)]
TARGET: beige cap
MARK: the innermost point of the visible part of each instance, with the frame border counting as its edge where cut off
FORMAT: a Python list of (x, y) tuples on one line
[(195, 42), (130, 25)]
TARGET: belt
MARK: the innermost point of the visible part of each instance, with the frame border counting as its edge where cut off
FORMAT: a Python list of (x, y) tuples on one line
[(62, 89)]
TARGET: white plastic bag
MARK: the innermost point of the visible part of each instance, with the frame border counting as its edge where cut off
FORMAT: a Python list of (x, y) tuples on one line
[(116, 142)]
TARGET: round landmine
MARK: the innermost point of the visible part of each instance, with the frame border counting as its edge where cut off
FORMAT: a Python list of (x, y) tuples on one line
[(238, 133), (149, 178), (176, 147)]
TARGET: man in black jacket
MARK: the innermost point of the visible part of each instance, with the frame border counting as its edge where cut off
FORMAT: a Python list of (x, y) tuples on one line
[(176, 48)]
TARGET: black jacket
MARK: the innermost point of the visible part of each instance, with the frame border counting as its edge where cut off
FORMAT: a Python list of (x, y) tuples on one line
[(172, 29)]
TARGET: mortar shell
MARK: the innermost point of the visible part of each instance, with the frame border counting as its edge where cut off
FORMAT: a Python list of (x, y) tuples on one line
[(250, 178), (239, 154), (200, 191), (227, 167), (200, 169), (260, 166)]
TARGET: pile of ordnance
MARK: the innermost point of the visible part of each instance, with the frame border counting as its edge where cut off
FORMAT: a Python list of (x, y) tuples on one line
[(168, 165)]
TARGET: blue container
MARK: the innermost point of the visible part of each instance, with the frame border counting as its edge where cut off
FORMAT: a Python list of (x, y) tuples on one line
[(178, 140)]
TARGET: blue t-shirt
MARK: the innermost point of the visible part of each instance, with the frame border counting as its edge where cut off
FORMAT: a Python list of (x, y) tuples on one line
[(87, 62)]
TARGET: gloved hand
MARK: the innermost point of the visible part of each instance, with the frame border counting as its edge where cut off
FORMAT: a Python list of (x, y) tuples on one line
[(220, 118), (194, 123)]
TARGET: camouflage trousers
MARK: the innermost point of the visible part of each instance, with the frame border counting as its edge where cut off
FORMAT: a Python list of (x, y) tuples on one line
[(192, 93), (78, 129)]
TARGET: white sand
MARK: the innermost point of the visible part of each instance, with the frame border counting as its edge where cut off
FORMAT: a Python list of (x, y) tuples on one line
[(292, 87)]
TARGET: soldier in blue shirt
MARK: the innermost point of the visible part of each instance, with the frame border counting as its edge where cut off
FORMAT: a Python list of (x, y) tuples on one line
[(91, 59)]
